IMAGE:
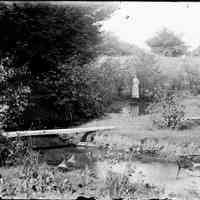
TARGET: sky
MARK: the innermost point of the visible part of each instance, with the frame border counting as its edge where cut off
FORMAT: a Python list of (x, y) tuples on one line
[(135, 22)]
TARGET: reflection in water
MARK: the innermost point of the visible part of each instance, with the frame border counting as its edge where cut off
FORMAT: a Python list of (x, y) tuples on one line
[(155, 173), (134, 109), (159, 174), (162, 175), (82, 156)]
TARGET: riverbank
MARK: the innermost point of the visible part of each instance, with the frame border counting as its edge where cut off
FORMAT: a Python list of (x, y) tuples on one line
[(138, 156), (138, 133), (111, 175)]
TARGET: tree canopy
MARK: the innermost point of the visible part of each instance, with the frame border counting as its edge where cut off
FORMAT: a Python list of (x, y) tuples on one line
[(167, 43), (113, 46), (44, 35), (44, 52)]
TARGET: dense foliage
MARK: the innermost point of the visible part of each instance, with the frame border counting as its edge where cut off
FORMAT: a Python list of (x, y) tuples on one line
[(44, 35), (68, 97), (111, 45), (45, 49), (167, 112), (119, 71), (150, 77), (167, 43)]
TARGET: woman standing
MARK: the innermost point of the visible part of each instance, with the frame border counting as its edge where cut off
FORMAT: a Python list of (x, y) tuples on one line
[(135, 87)]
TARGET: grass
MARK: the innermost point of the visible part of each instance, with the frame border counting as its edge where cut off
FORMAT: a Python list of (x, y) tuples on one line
[(47, 181), (133, 137), (25, 182), (130, 132)]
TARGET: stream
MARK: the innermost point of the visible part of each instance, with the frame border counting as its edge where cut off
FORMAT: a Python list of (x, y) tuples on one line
[(160, 174), (133, 109)]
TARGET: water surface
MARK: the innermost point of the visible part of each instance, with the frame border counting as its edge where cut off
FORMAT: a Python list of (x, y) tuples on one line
[(133, 109), (153, 173)]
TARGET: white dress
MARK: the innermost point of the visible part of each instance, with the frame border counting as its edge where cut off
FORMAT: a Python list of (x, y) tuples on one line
[(135, 88)]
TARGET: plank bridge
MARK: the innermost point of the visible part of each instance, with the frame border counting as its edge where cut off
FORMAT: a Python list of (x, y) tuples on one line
[(57, 137)]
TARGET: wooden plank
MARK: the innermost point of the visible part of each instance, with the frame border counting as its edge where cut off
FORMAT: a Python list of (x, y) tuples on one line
[(55, 131), (191, 118)]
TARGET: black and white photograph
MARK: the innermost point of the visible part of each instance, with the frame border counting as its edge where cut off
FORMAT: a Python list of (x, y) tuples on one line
[(100, 100)]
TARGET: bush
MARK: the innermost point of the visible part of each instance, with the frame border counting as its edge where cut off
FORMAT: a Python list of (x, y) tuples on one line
[(14, 93), (168, 112), (64, 97), (4, 151), (12, 152), (119, 186)]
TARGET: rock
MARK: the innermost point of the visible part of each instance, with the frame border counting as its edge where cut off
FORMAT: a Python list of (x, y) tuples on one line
[(63, 165), (71, 160)]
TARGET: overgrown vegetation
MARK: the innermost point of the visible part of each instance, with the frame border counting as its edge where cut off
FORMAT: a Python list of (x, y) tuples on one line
[(119, 70), (33, 179), (151, 78), (44, 85), (119, 186), (12, 152), (43, 72), (167, 112), (49, 78)]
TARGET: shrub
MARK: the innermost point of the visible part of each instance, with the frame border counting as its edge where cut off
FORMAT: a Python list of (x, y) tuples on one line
[(150, 146), (168, 112), (12, 152), (14, 94), (4, 151), (65, 97), (119, 186)]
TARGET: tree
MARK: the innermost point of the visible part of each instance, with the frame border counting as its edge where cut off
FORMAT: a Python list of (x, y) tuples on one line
[(113, 46), (42, 42), (167, 43), (43, 35)]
